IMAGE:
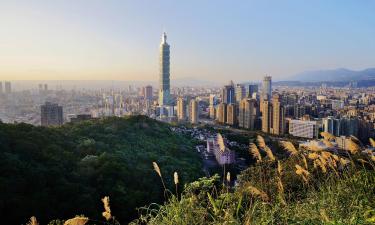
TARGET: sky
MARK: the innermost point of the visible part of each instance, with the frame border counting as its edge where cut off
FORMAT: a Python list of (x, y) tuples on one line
[(210, 39)]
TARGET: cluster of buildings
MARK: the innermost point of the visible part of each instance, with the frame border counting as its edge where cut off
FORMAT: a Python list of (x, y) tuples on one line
[(299, 111)]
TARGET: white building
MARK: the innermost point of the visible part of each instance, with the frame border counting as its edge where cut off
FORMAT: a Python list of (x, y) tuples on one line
[(222, 153), (302, 128)]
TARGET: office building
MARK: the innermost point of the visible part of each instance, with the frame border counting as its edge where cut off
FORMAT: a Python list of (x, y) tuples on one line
[(266, 115), (278, 116), (193, 111), (221, 113), (147, 92), (240, 92), (231, 114), (228, 94), (51, 114), (267, 88), (303, 128), (251, 90), (164, 73), (181, 109), (247, 113)]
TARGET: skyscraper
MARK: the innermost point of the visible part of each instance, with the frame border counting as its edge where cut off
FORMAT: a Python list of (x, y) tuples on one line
[(228, 94), (147, 92), (278, 116), (51, 114), (231, 114), (181, 109), (251, 89), (164, 73), (221, 114), (194, 111), (240, 92), (247, 113), (267, 87), (266, 116)]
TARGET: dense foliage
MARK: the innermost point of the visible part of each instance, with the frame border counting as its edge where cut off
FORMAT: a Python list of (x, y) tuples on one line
[(57, 173), (301, 186)]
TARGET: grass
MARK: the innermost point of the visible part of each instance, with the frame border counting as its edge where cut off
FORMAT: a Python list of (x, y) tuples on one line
[(303, 186)]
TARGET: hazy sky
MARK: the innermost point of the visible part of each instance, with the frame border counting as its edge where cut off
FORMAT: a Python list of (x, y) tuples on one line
[(223, 40)]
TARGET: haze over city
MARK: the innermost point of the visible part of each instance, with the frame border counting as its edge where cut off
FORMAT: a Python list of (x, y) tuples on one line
[(187, 112), (118, 40)]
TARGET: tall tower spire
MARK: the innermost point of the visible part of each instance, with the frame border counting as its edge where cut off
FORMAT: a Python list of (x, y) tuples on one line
[(164, 73), (164, 38)]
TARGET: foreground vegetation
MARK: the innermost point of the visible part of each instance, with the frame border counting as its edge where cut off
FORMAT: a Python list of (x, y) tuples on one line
[(57, 173), (301, 186)]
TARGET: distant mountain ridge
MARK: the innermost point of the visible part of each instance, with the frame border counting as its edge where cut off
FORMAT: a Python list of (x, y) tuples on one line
[(340, 74)]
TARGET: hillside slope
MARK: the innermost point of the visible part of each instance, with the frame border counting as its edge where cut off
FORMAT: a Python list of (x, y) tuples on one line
[(57, 173)]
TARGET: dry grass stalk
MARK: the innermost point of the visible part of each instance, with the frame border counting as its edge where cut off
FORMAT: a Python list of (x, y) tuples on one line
[(353, 147), (78, 220), (328, 144), (363, 161), (269, 153), (33, 221), (255, 152), (314, 148), (327, 136), (228, 177), (304, 161), (322, 165), (261, 142), (280, 185), (258, 193), (302, 172), (313, 156), (156, 168), (344, 161), (107, 210), (287, 145), (372, 142), (175, 178), (279, 168)]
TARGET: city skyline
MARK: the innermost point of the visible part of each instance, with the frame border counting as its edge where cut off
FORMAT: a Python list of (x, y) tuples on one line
[(59, 41)]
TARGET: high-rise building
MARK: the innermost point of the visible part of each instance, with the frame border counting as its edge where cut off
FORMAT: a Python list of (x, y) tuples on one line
[(240, 92), (181, 109), (221, 114), (266, 116), (228, 94), (231, 114), (212, 106), (247, 113), (193, 111), (51, 114), (278, 116), (267, 87), (164, 73), (251, 89), (147, 92), (8, 87)]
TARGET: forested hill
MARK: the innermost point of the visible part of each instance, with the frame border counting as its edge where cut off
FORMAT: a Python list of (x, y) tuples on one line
[(54, 173)]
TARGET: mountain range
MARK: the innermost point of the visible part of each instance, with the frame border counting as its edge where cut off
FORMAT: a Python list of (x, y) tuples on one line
[(340, 74)]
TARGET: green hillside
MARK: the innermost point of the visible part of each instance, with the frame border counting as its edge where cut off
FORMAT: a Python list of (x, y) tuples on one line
[(57, 173)]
